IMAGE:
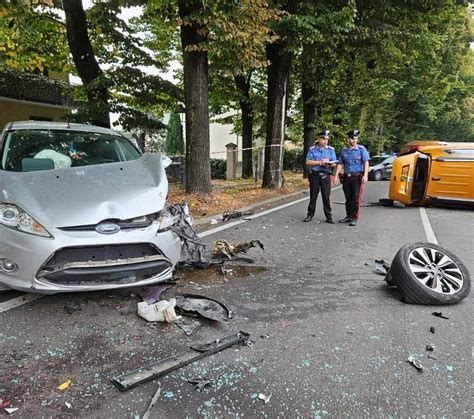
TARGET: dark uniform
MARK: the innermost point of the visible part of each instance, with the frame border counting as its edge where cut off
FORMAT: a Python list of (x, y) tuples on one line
[(320, 180), (353, 161)]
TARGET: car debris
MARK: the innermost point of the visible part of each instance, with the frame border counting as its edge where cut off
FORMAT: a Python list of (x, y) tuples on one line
[(198, 305), (154, 399), (151, 295), (161, 311), (432, 329), (415, 363), (200, 383), (382, 267), (224, 249), (431, 357), (72, 307), (4, 403), (188, 326), (68, 405), (11, 410), (65, 385), (439, 314), (264, 398), (163, 366), (266, 336), (430, 348), (230, 215)]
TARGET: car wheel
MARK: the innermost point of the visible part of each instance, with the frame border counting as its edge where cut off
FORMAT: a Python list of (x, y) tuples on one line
[(426, 273), (378, 175), (389, 279)]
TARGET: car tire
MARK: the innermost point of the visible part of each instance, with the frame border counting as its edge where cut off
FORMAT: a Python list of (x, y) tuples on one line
[(389, 279), (426, 273), (377, 175)]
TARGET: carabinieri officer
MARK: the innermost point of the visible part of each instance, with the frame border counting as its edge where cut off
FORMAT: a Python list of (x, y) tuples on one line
[(321, 159), (355, 160)]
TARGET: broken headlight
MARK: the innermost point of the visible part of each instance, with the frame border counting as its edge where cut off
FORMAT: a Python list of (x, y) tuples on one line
[(17, 219)]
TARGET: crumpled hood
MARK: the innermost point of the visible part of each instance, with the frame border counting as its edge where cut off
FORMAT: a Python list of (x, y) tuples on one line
[(87, 195)]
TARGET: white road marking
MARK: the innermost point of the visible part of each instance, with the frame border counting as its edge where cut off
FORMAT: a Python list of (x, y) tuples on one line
[(427, 226), (252, 217), (18, 301)]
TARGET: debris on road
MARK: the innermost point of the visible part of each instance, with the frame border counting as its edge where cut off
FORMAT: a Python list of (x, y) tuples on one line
[(198, 305), (154, 399), (68, 405), (230, 215), (430, 348), (439, 314), (188, 326), (264, 398), (4, 403), (165, 365), (415, 363), (223, 249), (72, 307), (152, 295), (65, 385), (200, 383), (431, 357), (381, 267), (266, 336), (161, 311), (11, 410), (432, 329)]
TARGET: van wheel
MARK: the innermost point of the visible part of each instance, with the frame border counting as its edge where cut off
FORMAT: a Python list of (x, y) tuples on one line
[(426, 273), (378, 175)]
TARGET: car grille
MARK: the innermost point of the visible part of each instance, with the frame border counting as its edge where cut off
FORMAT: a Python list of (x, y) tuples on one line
[(120, 264)]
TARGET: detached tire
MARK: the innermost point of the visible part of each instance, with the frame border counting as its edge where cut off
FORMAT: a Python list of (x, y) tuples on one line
[(426, 273)]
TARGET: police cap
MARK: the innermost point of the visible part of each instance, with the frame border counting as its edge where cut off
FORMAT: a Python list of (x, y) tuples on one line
[(353, 133), (324, 133)]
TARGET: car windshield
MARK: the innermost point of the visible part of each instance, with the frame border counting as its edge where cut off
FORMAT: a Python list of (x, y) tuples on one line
[(32, 150), (377, 160)]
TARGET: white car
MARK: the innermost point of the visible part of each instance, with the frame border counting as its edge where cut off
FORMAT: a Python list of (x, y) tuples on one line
[(81, 208)]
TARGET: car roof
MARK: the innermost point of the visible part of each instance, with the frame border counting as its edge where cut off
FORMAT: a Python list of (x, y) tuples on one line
[(30, 125), (439, 144)]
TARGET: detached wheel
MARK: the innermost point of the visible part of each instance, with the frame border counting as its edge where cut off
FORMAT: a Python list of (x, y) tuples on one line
[(378, 175), (426, 273)]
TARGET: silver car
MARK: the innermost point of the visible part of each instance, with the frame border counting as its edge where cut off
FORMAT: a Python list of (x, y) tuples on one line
[(82, 209)]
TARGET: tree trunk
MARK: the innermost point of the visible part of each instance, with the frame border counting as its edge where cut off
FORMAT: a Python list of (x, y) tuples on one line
[(86, 63), (195, 65), (309, 116), (277, 89), (243, 84)]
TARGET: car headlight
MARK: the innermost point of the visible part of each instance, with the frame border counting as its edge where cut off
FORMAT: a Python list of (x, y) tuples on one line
[(167, 220), (17, 219)]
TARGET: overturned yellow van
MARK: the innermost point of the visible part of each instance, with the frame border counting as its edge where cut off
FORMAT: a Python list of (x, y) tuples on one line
[(433, 172)]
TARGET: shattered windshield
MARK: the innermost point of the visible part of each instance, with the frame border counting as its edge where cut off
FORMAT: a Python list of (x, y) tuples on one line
[(32, 150)]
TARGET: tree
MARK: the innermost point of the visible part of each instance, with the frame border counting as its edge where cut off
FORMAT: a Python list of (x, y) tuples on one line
[(174, 136)]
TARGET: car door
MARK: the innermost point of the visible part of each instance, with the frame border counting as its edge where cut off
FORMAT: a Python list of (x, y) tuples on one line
[(401, 181)]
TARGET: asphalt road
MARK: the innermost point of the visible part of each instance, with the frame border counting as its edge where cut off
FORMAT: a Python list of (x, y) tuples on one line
[(338, 341)]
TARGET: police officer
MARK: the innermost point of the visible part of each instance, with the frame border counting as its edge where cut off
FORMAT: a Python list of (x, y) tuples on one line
[(355, 160), (321, 159)]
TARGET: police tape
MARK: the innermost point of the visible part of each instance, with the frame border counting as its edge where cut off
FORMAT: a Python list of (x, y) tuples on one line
[(236, 150)]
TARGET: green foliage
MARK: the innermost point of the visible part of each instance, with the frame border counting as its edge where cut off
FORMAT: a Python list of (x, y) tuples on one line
[(218, 168), (174, 136), (293, 159)]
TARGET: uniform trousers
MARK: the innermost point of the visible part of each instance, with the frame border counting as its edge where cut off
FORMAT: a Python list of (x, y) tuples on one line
[(352, 187), (319, 181)]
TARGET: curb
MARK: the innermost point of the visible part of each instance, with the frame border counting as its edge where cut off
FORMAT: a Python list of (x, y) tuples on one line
[(207, 220)]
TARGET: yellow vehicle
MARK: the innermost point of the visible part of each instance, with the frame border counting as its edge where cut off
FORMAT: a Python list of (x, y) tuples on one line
[(433, 172)]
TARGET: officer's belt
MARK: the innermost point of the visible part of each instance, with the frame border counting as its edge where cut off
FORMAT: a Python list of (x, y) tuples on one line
[(352, 174), (320, 172)]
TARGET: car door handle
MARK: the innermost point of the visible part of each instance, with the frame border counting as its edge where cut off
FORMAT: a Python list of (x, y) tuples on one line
[(435, 178)]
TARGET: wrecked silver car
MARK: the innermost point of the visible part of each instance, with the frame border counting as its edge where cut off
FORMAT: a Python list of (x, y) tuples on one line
[(82, 209)]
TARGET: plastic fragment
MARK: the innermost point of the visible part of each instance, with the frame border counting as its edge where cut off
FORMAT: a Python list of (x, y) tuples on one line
[(4, 403), (11, 410), (266, 336), (161, 311), (65, 385), (415, 363), (431, 357), (430, 348), (265, 398), (439, 314), (432, 329), (152, 295), (68, 405)]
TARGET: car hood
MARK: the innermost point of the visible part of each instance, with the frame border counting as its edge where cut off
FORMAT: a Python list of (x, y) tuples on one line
[(87, 195)]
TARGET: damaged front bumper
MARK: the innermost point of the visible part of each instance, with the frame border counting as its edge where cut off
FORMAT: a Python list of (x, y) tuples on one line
[(86, 260)]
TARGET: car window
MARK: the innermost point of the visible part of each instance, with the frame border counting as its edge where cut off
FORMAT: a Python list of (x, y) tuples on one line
[(389, 160), (30, 150), (376, 160)]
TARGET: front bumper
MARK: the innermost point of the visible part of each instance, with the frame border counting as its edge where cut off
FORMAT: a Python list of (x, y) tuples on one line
[(86, 260)]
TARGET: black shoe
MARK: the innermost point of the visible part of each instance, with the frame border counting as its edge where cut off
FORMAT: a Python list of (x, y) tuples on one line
[(346, 220), (353, 223), (308, 218), (330, 221)]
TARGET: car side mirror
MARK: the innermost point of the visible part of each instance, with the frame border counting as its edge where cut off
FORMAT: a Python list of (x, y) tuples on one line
[(386, 164)]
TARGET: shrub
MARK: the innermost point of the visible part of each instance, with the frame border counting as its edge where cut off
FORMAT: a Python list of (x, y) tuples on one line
[(218, 168), (293, 158)]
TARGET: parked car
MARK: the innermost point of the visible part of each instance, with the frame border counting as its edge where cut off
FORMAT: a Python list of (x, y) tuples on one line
[(81, 208), (380, 167), (434, 172)]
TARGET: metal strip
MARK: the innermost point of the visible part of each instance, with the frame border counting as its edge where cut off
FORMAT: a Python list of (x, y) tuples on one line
[(165, 365)]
